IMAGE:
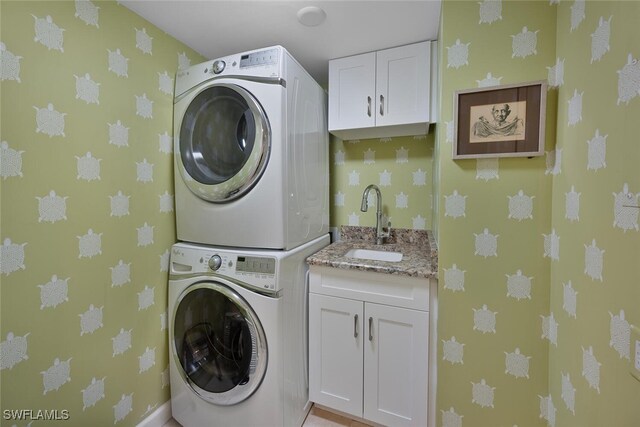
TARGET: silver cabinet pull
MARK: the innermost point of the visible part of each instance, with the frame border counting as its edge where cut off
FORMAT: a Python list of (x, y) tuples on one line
[(381, 105), (355, 326), (370, 328), (369, 106)]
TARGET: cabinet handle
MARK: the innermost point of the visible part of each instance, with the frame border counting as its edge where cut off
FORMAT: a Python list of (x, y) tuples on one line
[(355, 326), (381, 105), (369, 106), (370, 328)]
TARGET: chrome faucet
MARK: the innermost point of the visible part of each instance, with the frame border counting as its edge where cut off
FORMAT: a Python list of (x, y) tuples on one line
[(380, 234)]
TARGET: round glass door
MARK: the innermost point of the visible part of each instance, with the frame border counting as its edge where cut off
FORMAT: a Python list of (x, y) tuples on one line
[(219, 343), (224, 143)]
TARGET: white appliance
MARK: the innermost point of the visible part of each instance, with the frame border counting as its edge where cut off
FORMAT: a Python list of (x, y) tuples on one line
[(238, 335), (251, 152)]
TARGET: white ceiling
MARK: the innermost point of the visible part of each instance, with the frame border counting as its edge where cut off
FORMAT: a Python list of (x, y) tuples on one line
[(216, 28)]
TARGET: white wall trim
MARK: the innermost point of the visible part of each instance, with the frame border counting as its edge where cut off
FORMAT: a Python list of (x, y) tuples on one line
[(159, 417)]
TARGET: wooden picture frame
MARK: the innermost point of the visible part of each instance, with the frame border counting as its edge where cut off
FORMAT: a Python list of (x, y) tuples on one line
[(500, 121)]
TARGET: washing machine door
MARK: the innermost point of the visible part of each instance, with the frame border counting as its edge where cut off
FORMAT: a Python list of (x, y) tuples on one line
[(219, 343), (224, 143)]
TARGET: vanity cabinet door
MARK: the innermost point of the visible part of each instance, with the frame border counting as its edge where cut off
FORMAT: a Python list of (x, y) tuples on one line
[(395, 365), (335, 353)]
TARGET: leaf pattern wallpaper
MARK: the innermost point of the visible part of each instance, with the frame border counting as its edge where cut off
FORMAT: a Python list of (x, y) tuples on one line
[(594, 279), (402, 167), (539, 257), (87, 209), (494, 274)]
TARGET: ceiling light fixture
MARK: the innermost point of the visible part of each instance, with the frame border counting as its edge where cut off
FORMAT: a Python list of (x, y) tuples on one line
[(311, 16)]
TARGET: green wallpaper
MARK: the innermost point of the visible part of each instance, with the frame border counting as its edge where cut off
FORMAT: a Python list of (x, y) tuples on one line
[(401, 167), (595, 279), (494, 274), (87, 210), (539, 257)]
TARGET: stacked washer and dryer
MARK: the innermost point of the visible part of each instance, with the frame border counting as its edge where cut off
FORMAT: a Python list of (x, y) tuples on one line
[(251, 191)]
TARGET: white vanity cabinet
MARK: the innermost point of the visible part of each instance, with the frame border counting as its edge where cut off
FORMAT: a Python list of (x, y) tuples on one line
[(382, 94), (369, 345)]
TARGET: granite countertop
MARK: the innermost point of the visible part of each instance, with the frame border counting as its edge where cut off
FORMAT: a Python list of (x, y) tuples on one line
[(418, 247)]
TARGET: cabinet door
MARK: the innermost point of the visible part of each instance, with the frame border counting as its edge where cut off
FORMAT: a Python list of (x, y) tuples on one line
[(335, 353), (402, 84), (351, 92), (396, 365)]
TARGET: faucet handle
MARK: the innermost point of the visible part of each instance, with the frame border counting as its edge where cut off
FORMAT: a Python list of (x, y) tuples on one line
[(386, 231)]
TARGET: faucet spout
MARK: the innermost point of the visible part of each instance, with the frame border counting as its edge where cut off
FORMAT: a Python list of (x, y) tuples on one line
[(365, 196), (380, 235)]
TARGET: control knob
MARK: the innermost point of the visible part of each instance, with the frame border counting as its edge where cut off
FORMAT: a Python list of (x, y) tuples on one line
[(215, 262), (218, 67)]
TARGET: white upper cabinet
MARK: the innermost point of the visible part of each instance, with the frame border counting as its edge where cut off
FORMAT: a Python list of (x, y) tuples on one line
[(381, 94), (402, 85), (351, 96)]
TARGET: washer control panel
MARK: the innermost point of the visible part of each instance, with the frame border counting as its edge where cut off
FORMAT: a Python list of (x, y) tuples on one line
[(252, 271), (257, 271), (215, 262), (254, 264)]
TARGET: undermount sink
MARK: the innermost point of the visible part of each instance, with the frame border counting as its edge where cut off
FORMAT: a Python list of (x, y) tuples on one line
[(374, 255)]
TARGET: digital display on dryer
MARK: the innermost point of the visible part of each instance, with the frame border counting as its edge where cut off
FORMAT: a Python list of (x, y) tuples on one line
[(256, 265), (264, 57)]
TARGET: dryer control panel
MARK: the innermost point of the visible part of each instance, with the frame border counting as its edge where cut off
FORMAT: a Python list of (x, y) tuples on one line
[(255, 65), (262, 57), (248, 270)]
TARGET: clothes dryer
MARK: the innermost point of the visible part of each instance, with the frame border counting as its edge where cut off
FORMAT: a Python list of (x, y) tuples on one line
[(251, 152), (238, 347)]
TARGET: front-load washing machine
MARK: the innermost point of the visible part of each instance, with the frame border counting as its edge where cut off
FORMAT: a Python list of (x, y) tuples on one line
[(251, 152), (238, 335)]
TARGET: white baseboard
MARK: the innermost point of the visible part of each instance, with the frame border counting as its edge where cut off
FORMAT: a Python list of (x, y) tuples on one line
[(159, 417)]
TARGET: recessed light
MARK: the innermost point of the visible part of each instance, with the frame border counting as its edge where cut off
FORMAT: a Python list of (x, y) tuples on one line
[(311, 16)]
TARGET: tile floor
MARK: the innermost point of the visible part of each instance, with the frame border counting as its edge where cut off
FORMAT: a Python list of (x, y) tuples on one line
[(316, 418), (320, 418)]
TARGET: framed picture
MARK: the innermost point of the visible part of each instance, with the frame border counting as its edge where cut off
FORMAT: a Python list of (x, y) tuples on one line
[(500, 121)]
